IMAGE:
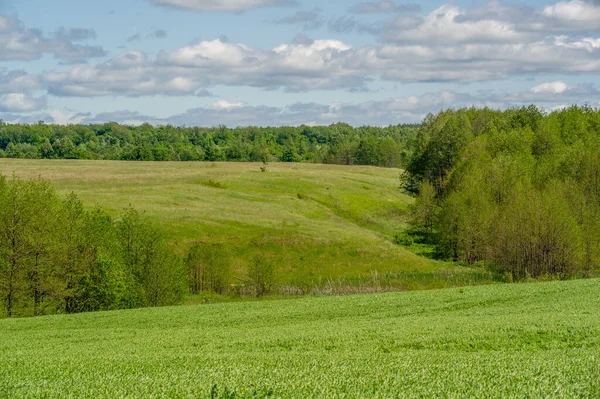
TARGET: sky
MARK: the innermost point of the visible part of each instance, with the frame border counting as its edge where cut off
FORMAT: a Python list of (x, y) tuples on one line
[(291, 62)]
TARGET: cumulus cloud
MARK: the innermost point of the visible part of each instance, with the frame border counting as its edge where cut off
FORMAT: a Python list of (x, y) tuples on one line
[(21, 102), (18, 43), (445, 25), (556, 87), (384, 6), (496, 22), (293, 67), (576, 14), (320, 65), (221, 5)]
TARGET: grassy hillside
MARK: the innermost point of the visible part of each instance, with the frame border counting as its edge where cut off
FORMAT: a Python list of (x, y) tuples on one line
[(524, 340), (315, 222)]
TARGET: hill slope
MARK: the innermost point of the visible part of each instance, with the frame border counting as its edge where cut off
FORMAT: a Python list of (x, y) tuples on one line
[(522, 340), (313, 221)]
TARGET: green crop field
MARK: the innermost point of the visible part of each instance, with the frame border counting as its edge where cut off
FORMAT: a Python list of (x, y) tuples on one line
[(318, 223), (537, 340)]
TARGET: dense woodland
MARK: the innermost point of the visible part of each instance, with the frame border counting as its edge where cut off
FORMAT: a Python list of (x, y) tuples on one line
[(517, 191), (335, 144)]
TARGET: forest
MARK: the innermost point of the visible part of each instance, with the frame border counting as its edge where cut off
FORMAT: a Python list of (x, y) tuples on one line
[(335, 144), (517, 191)]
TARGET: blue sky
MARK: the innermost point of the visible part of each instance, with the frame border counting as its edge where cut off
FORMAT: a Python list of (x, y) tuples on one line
[(274, 62)]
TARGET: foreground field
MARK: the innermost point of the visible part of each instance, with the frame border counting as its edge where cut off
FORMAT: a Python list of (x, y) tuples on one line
[(317, 223), (525, 340)]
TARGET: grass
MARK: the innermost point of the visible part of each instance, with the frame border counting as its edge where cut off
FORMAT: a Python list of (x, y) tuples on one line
[(318, 223), (537, 340)]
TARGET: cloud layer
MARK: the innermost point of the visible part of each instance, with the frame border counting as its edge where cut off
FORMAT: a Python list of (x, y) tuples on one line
[(550, 95), (384, 6), (221, 5), (447, 46), (18, 43)]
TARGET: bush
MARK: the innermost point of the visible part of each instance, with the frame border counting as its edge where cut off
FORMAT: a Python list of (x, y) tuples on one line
[(213, 183), (404, 239)]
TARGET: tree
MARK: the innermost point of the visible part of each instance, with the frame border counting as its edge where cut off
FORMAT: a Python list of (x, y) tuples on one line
[(25, 226), (209, 268), (424, 210), (261, 273), (152, 272)]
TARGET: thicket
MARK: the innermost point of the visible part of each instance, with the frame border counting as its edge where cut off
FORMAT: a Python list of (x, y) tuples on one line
[(334, 144), (517, 190), (57, 257)]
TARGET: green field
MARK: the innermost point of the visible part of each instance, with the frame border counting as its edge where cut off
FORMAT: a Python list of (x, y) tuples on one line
[(324, 225), (536, 340)]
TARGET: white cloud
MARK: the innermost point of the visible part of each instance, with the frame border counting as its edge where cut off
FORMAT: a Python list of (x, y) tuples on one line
[(213, 53), (444, 25), (577, 13), (224, 104), (550, 88), (588, 43), (495, 22), (221, 5), (320, 65), (21, 103)]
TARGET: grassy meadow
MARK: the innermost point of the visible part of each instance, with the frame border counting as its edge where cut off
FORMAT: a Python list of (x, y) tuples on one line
[(322, 225), (537, 340)]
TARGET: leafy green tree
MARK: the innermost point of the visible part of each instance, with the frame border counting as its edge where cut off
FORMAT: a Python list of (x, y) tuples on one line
[(261, 274), (423, 212), (153, 273), (209, 268)]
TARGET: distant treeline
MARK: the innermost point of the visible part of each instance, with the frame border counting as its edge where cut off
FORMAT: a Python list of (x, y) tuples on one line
[(334, 144), (518, 190)]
